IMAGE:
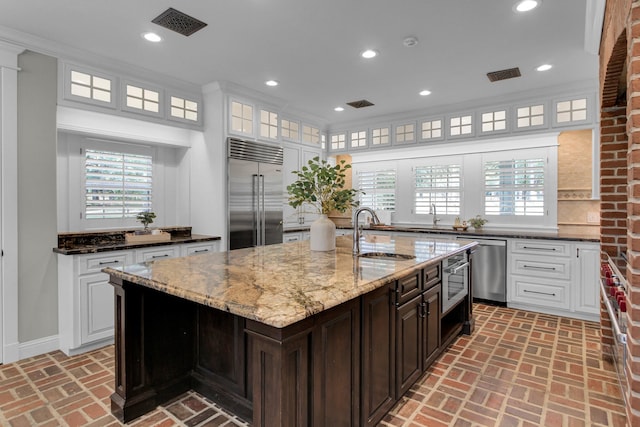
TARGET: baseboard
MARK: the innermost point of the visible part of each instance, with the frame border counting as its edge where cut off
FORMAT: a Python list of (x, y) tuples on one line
[(39, 346), (10, 353)]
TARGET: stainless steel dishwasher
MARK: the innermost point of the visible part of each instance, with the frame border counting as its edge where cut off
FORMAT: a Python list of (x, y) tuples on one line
[(489, 270)]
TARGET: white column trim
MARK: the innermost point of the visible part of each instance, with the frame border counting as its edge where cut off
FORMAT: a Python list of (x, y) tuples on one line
[(10, 350)]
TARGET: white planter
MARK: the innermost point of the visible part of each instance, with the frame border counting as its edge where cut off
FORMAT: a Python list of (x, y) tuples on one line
[(323, 234)]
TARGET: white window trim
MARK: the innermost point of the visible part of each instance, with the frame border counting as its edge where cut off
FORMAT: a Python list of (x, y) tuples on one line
[(298, 137), (367, 141), (186, 97), (443, 129), (254, 115), (474, 125), (574, 123), (545, 117), (507, 125), (389, 136), (66, 81), (260, 109), (162, 100), (394, 135), (346, 142)]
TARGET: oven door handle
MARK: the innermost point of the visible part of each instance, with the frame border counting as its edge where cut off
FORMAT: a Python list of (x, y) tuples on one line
[(454, 269)]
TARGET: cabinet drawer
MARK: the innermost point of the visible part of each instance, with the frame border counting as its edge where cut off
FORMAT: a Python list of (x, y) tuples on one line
[(552, 267), (431, 276), (541, 247), (157, 253), (407, 288), (198, 248), (542, 292), (291, 237), (95, 262)]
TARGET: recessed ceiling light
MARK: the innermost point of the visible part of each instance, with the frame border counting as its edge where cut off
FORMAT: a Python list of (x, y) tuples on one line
[(425, 92), (369, 53), (527, 5), (152, 37), (544, 67), (271, 83), (338, 109)]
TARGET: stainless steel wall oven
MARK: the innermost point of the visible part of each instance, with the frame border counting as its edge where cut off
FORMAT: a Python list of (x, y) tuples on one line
[(455, 280)]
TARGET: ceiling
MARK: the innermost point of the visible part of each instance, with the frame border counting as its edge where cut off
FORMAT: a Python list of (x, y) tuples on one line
[(312, 47)]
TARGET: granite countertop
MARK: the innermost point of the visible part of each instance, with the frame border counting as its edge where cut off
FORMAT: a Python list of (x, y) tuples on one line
[(282, 284), (485, 233)]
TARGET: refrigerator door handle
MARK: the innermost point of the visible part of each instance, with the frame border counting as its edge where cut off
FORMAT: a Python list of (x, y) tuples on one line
[(263, 213), (255, 188)]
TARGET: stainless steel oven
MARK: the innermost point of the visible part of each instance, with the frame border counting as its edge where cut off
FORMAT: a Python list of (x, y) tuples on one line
[(455, 280)]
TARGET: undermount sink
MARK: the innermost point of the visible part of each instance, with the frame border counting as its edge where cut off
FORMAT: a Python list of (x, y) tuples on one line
[(386, 255)]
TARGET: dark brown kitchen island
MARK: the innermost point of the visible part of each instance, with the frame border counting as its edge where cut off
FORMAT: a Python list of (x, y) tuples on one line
[(283, 336)]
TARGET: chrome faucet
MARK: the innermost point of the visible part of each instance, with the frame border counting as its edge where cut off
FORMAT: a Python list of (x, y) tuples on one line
[(356, 228), (433, 212)]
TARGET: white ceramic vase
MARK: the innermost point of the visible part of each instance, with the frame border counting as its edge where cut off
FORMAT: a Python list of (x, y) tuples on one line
[(323, 234)]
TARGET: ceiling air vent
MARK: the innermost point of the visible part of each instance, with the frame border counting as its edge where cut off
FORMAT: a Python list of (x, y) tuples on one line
[(179, 22), (510, 73), (360, 104)]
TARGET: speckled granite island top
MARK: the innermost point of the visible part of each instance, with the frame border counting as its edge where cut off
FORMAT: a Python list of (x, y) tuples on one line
[(282, 284)]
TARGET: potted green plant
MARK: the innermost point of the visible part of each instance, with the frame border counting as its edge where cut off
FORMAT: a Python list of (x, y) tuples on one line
[(320, 186), (477, 222), (146, 218)]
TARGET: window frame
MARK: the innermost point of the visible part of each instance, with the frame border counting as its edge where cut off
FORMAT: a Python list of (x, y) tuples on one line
[(426, 163), (69, 67), (338, 150), (545, 117), (371, 137), (493, 111), (395, 128), (186, 97), (572, 123), (460, 116), (377, 168), (270, 111), (297, 137), (144, 86), (431, 120), (253, 117)]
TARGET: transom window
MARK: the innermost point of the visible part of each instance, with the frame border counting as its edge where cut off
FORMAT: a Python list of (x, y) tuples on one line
[(117, 185), (461, 125), (359, 139), (143, 99), (184, 109), (380, 136), (241, 117), (379, 187), (338, 141), (431, 129), (514, 187), (571, 111), (530, 116), (290, 129), (268, 124), (439, 186), (405, 133), (494, 121), (310, 134), (91, 87)]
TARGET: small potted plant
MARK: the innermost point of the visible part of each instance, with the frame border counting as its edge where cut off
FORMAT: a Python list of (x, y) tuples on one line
[(477, 222), (321, 186), (146, 218)]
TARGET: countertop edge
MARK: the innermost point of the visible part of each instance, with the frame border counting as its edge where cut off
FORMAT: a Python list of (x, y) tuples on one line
[(126, 246)]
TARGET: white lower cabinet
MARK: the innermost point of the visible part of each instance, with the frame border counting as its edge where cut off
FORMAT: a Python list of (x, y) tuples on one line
[(85, 297), (556, 277)]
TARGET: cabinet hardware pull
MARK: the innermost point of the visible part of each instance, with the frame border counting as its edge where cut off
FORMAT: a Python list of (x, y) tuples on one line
[(538, 267), (539, 249), (423, 309), (200, 250), (159, 256), (541, 293), (456, 268), (108, 262)]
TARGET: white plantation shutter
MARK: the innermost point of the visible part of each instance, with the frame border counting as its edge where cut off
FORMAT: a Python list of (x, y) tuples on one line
[(438, 185), (117, 185), (514, 187), (379, 187)]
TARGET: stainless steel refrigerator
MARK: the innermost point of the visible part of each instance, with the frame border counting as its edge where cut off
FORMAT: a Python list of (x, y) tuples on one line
[(255, 197)]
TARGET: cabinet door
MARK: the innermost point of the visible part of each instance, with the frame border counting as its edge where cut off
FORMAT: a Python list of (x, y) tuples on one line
[(431, 313), (409, 326), (96, 308), (290, 163), (378, 358), (308, 214), (586, 278)]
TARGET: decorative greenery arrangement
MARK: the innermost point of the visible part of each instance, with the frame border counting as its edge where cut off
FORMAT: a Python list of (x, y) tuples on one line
[(478, 221), (146, 218), (322, 186)]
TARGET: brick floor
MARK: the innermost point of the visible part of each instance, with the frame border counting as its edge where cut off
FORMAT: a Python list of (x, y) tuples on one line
[(518, 369)]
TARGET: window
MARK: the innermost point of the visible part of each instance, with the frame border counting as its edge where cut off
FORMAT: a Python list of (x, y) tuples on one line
[(359, 139), (380, 136), (268, 124), (338, 141), (514, 187), (241, 117), (89, 86), (438, 185), (571, 111), (460, 126), (310, 134), (494, 121), (290, 130), (142, 99), (431, 129), (117, 185), (530, 116), (184, 109), (379, 187), (405, 133)]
